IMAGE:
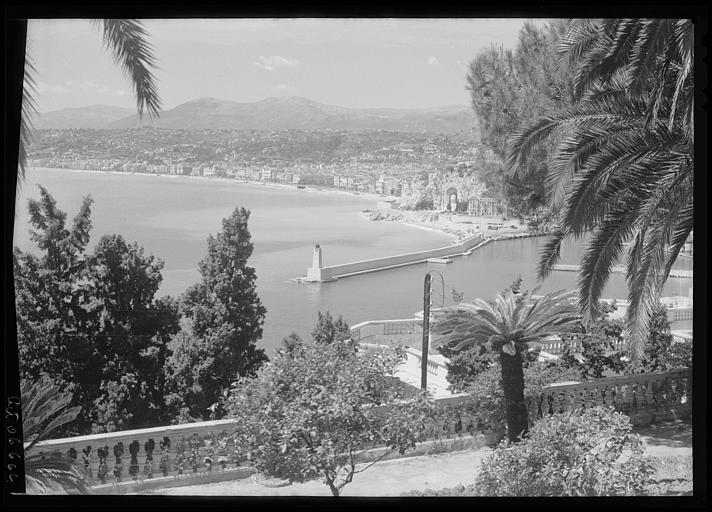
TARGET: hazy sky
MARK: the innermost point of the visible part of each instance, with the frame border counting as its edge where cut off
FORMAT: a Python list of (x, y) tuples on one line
[(395, 63)]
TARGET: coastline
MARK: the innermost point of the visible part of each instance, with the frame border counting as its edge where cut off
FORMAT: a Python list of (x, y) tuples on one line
[(369, 196), (455, 227)]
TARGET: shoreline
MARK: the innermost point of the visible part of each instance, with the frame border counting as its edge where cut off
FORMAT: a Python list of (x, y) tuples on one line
[(453, 237), (457, 227), (369, 196), (444, 224)]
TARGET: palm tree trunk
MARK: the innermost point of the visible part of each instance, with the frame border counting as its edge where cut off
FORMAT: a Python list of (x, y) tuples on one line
[(513, 387)]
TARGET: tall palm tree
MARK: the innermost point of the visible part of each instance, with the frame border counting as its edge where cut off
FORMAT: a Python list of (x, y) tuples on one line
[(624, 162), (508, 326), (127, 40), (44, 409)]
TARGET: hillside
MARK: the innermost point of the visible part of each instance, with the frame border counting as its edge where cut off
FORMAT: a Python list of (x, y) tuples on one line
[(95, 116)]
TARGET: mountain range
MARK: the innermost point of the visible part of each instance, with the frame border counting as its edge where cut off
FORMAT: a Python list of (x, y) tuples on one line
[(94, 116), (281, 113)]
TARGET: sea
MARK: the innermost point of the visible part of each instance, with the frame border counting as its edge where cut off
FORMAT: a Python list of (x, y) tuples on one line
[(172, 216)]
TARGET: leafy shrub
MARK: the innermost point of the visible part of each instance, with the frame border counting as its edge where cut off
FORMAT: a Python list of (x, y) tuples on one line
[(679, 354), (662, 351), (589, 453), (310, 413), (599, 356), (458, 490)]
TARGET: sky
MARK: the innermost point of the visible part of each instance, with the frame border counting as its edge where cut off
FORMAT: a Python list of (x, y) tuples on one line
[(358, 63)]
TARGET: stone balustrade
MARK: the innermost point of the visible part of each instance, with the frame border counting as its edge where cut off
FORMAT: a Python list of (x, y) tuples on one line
[(556, 346), (192, 449), (645, 397), (407, 332), (198, 448), (146, 453)]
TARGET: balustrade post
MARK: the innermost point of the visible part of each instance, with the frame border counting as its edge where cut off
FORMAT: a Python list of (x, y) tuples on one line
[(164, 446), (86, 457), (148, 447), (119, 465), (133, 464), (103, 470)]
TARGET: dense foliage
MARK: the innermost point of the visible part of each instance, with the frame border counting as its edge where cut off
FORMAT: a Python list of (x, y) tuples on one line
[(90, 321), (599, 354), (309, 413), (623, 161), (511, 88), (223, 318), (327, 330), (589, 453)]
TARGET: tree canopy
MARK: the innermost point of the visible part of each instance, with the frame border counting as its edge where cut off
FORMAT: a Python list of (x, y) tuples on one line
[(309, 413), (623, 161), (90, 321), (222, 325), (511, 88)]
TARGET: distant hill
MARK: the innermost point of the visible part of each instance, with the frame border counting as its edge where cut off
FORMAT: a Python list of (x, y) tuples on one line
[(95, 116), (302, 114)]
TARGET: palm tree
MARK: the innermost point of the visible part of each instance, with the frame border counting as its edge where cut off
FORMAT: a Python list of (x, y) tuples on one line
[(624, 161), (127, 40), (44, 409), (508, 325)]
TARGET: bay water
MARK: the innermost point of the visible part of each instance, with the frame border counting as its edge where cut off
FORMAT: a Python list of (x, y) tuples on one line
[(171, 218)]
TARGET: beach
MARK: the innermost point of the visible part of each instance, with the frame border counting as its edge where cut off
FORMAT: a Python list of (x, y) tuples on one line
[(457, 226)]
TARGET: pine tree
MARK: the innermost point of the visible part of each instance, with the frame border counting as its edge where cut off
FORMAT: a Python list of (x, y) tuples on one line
[(224, 322)]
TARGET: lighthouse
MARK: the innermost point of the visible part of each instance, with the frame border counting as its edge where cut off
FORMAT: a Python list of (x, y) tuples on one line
[(314, 272)]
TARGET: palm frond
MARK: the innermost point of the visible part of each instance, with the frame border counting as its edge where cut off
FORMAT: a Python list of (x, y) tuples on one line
[(520, 319), (53, 473), (29, 111), (582, 33), (645, 291), (127, 40), (44, 409), (601, 255), (623, 161), (550, 253)]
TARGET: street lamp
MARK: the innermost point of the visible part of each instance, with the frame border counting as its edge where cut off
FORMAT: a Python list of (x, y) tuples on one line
[(427, 291)]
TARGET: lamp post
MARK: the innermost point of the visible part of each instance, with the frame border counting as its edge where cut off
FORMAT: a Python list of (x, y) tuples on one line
[(426, 332)]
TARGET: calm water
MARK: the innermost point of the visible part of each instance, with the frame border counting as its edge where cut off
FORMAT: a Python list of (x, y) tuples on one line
[(171, 218)]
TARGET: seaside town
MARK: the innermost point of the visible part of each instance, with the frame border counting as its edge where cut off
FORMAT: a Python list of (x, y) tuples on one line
[(377, 162), (490, 300)]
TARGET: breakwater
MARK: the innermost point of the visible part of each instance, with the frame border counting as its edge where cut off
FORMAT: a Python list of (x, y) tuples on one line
[(319, 273), (681, 273)]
